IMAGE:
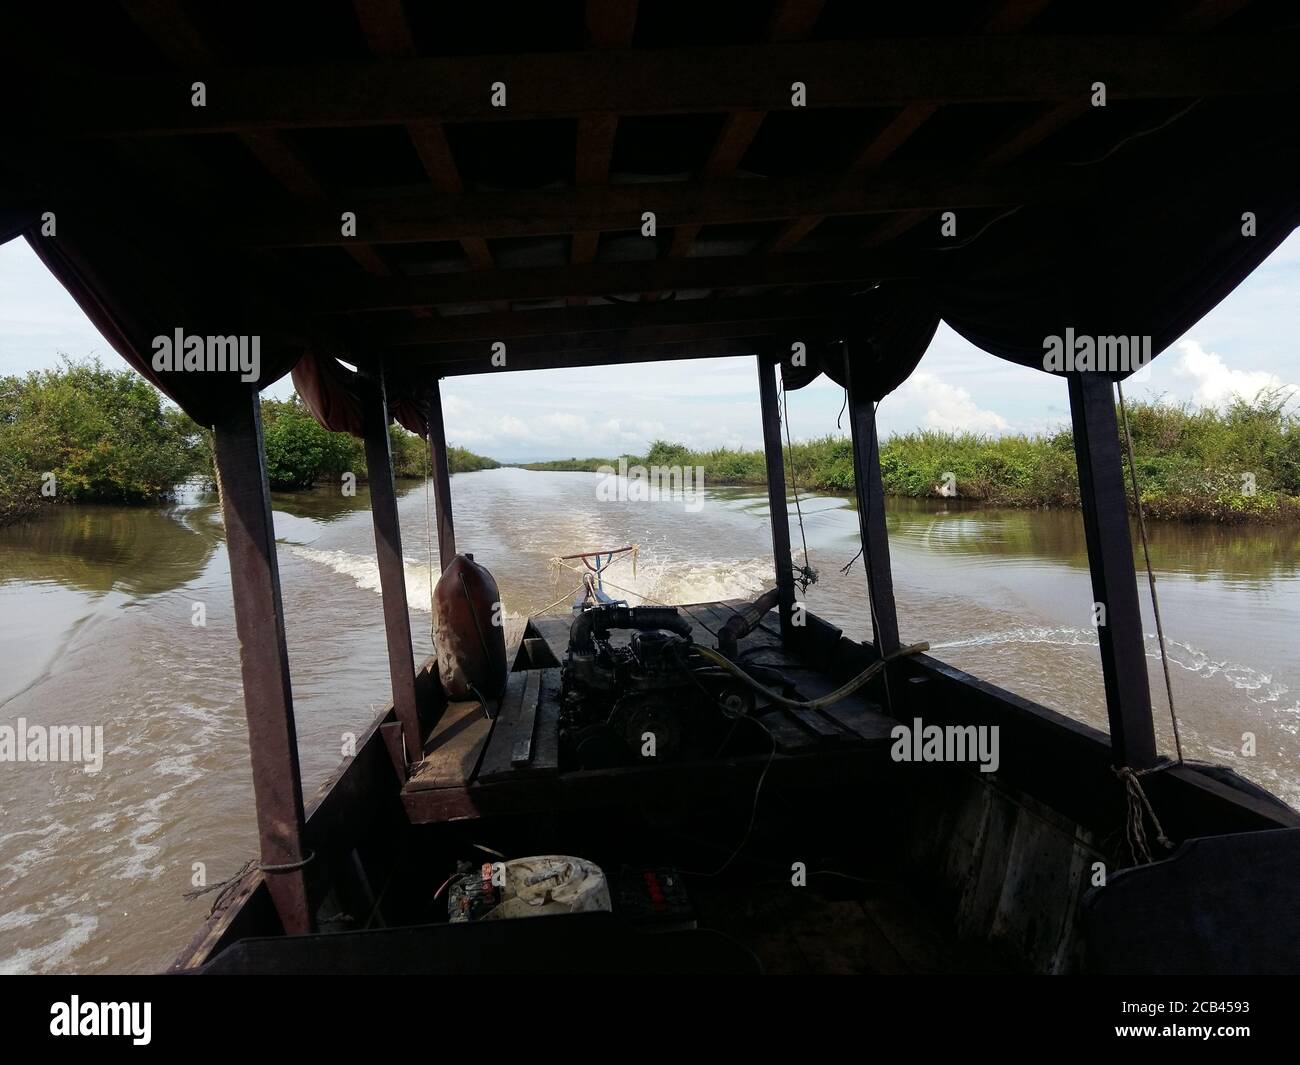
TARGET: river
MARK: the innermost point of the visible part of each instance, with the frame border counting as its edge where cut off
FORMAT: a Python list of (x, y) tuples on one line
[(97, 627)]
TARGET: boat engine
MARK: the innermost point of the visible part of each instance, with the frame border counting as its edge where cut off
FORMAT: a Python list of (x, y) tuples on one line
[(653, 697)]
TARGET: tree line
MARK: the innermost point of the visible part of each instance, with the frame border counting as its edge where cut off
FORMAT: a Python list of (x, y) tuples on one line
[(84, 433)]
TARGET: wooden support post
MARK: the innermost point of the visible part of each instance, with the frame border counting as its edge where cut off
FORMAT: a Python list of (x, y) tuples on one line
[(392, 570), (1110, 559), (441, 477), (263, 657), (771, 412), (871, 514)]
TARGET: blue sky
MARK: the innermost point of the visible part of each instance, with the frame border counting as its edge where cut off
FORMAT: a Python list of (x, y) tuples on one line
[(1248, 342)]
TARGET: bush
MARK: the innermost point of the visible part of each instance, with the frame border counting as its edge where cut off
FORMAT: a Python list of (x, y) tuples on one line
[(459, 460), (409, 459), (300, 451), (1192, 463), (103, 434)]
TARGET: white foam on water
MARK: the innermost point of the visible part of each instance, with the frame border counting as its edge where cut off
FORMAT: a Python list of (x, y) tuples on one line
[(674, 582), (51, 955), (654, 581), (1259, 686), (1243, 678), (363, 571), (51, 837), (1059, 637)]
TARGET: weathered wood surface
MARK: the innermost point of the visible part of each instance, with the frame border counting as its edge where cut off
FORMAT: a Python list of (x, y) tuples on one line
[(1110, 561), (264, 658), (525, 737), (883, 72), (770, 413), (871, 513), (853, 717), (452, 752), (392, 567), (441, 476)]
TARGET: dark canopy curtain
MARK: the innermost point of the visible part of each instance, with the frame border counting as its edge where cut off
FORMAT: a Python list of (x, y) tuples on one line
[(884, 331), (152, 292), (1133, 261), (1120, 265), (105, 266), (336, 395)]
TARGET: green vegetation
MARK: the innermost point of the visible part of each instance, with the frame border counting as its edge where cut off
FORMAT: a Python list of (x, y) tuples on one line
[(1194, 465), (300, 452), (460, 460), (82, 433), (107, 436), (98, 435)]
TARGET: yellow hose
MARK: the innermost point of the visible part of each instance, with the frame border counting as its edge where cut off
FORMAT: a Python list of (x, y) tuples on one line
[(842, 692)]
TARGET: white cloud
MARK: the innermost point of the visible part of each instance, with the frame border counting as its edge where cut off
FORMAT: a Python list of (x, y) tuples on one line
[(1215, 384), (947, 407)]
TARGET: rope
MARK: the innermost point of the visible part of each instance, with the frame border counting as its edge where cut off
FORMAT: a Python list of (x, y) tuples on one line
[(1139, 808), (1151, 577), (645, 598), (822, 701), (807, 575), (225, 888), (633, 552), (564, 598)]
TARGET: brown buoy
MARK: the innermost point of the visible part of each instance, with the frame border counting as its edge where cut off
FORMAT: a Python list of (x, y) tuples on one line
[(469, 631)]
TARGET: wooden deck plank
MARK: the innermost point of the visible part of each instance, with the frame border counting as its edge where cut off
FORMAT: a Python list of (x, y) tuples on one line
[(496, 756), (515, 628), (820, 726), (856, 713), (790, 737), (522, 753), (555, 631), (452, 752), (546, 736), (532, 716)]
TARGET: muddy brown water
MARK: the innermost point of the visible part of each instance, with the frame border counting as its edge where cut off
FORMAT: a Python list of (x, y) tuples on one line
[(97, 606)]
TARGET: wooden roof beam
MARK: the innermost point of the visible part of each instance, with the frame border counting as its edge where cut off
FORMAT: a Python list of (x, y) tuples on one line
[(388, 35), (1202, 15), (870, 73), (400, 219), (609, 25), (619, 355), (176, 36), (1007, 16), (603, 279), (791, 20), (596, 348), (564, 321)]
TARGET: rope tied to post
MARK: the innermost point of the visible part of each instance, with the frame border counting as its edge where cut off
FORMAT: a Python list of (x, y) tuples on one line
[(225, 888), (1140, 808)]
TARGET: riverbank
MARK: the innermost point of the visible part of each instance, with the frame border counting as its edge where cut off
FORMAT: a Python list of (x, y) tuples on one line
[(82, 433), (1233, 466)]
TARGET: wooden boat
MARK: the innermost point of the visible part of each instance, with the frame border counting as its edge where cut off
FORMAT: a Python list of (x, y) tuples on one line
[(1007, 173)]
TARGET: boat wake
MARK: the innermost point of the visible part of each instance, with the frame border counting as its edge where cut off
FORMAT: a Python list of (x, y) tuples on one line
[(1260, 687), (661, 581), (363, 571)]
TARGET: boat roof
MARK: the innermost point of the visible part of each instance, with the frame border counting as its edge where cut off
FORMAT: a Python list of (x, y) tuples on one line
[(811, 167)]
